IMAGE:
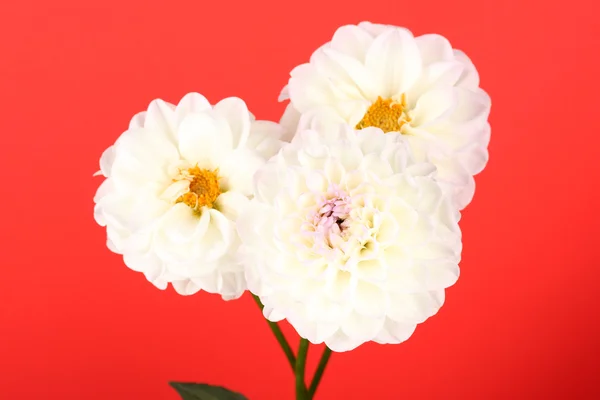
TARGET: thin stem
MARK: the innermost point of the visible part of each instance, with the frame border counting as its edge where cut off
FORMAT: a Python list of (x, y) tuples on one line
[(319, 372), (301, 392), (279, 336)]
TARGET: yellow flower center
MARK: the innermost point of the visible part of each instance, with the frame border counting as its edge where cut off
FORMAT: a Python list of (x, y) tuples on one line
[(204, 188), (388, 115)]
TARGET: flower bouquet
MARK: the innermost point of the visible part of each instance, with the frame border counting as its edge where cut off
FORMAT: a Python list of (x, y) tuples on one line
[(341, 219)]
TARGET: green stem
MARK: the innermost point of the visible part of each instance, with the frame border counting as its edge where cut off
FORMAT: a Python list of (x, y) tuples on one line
[(319, 373), (301, 392), (279, 336)]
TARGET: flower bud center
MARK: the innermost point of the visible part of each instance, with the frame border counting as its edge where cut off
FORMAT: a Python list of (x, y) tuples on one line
[(204, 188), (388, 115)]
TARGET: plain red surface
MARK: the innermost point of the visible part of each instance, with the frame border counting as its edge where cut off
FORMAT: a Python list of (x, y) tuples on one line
[(75, 323)]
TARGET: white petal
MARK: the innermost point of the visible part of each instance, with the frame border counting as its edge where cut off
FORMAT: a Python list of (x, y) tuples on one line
[(180, 224), (231, 204), (105, 188), (271, 314), (238, 170), (185, 287), (219, 236), (175, 190), (99, 215), (159, 283), (285, 94), (395, 60), (266, 182), (113, 241), (362, 328), (415, 308), (142, 156), (394, 332), (235, 112), (436, 75), (322, 310), (161, 117), (435, 105), (475, 155), (470, 77), (106, 160), (474, 105), (375, 165), (289, 121), (361, 83), (325, 120), (148, 263), (387, 229), (351, 40), (465, 195), (371, 270), (138, 120), (334, 171), (191, 103), (374, 29), (316, 182), (233, 285), (434, 48), (353, 111), (157, 276), (179, 237), (464, 126), (265, 138), (436, 275), (250, 225), (340, 342), (204, 139), (370, 300), (309, 89), (339, 79)]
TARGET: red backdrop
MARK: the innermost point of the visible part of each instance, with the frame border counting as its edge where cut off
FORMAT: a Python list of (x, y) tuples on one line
[(75, 323)]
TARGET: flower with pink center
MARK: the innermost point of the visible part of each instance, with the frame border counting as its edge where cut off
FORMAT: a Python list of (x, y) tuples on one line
[(348, 238)]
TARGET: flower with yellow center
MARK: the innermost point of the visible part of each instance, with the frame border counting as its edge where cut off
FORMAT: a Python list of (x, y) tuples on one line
[(381, 76), (176, 181)]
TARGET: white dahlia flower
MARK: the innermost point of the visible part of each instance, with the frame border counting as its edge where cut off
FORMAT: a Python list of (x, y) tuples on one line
[(176, 181), (372, 75), (348, 239)]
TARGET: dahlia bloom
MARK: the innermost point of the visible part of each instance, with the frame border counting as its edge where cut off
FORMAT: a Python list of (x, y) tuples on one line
[(176, 181), (372, 75), (348, 238)]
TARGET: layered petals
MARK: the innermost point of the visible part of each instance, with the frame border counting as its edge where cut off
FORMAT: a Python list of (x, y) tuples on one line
[(349, 237), (176, 182), (433, 89)]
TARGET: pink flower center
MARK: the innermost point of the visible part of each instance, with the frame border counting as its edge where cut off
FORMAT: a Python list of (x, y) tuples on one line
[(331, 218)]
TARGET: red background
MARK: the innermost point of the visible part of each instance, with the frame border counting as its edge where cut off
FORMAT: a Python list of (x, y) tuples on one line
[(75, 323)]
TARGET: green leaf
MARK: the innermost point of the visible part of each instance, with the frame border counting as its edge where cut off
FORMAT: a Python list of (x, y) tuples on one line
[(202, 391)]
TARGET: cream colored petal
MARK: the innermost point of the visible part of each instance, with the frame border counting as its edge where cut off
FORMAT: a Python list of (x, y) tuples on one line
[(235, 112), (434, 48), (205, 140), (191, 103), (352, 40), (160, 117), (237, 171), (231, 204), (138, 120), (395, 61)]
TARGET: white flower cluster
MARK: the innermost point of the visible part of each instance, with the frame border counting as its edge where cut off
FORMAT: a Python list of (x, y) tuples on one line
[(348, 230)]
